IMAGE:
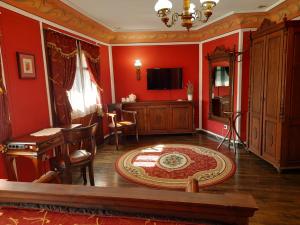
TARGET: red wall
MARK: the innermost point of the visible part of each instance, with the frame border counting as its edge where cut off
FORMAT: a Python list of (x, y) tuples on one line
[(162, 56), (27, 98), (208, 47)]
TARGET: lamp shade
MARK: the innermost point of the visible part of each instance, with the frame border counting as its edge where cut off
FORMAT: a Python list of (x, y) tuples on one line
[(204, 1), (138, 63), (163, 4)]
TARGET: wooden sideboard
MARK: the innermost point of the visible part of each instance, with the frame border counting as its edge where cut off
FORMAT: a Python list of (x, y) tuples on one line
[(163, 117)]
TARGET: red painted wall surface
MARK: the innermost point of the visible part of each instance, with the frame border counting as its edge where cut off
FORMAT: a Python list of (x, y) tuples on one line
[(105, 83), (208, 47), (245, 83), (27, 98), (160, 56)]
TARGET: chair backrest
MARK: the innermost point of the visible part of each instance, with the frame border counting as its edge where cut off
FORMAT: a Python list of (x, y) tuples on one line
[(82, 137), (115, 108)]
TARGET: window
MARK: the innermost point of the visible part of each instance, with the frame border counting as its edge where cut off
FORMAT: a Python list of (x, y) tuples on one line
[(83, 96)]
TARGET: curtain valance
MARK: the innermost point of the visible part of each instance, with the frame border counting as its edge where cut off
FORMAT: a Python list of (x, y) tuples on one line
[(62, 44), (92, 54)]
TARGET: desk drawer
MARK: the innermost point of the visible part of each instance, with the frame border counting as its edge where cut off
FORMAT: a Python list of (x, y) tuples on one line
[(56, 141)]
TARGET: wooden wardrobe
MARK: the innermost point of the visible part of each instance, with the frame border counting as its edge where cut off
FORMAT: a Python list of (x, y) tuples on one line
[(274, 99)]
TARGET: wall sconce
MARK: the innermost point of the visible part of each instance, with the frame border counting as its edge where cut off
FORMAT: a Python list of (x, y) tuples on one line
[(138, 65)]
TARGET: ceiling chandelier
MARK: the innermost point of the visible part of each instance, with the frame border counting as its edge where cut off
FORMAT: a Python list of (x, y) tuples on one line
[(190, 14)]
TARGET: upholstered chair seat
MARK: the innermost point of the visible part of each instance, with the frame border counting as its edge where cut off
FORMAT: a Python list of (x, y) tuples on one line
[(79, 155)]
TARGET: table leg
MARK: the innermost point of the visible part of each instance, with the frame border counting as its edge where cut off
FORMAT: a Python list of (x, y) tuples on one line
[(223, 139), (11, 172), (38, 166)]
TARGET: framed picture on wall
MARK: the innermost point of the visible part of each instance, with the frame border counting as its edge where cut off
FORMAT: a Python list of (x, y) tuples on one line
[(26, 65)]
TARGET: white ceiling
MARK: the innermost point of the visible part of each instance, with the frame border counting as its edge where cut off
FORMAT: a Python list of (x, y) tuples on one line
[(139, 15)]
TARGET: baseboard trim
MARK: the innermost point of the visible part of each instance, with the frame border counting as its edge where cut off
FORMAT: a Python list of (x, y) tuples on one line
[(218, 137)]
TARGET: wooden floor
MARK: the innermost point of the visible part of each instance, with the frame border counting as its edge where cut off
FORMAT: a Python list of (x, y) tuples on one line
[(277, 195)]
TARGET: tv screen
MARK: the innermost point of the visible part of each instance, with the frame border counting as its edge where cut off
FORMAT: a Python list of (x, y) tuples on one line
[(164, 78)]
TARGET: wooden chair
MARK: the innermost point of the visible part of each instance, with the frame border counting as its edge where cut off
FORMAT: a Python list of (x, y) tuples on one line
[(49, 177), (83, 141), (120, 120)]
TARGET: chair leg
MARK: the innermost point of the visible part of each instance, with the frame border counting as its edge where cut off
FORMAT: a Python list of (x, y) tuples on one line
[(91, 174), (110, 136), (83, 172), (137, 133), (68, 175), (117, 139)]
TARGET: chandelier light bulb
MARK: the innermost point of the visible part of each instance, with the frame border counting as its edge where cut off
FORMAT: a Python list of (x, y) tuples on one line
[(207, 1), (163, 4), (192, 8), (189, 16)]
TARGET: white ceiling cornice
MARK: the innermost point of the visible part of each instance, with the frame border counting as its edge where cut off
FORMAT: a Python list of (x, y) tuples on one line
[(116, 27)]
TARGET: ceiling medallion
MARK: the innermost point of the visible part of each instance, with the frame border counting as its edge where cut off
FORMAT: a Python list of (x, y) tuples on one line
[(190, 14)]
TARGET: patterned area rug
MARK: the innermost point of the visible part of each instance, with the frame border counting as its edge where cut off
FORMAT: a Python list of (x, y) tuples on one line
[(12, 216), (169, 166)]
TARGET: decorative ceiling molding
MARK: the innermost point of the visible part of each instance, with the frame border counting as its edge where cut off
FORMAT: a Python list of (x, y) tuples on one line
[(62, 14)]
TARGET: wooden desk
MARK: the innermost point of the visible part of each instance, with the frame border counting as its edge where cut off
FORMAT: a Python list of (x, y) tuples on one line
[(35, 149)]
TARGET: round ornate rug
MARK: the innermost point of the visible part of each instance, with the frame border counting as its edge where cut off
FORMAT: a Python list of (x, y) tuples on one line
[(169, 166)]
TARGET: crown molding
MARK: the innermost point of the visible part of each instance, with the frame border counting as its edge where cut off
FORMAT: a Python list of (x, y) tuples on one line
[(64, 15)]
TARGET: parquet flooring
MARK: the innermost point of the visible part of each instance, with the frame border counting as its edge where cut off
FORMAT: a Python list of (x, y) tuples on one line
[(277, 195)]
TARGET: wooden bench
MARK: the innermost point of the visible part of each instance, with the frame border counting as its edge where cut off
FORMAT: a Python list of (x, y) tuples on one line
[(228, 208)]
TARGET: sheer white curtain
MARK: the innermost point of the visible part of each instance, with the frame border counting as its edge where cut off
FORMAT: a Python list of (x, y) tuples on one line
[(83, 96)]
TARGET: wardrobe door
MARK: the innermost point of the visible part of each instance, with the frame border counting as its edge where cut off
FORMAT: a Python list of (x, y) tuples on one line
[(291, 112), (272, 96), (256, 94)]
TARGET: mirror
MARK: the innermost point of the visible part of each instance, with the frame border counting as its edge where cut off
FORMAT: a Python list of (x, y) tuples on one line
[(221, 83)]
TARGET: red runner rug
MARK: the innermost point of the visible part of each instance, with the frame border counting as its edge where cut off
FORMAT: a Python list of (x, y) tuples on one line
[(12, 216), (169, 166)]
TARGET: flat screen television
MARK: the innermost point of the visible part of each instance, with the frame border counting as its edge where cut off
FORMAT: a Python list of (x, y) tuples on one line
[(164, 78)]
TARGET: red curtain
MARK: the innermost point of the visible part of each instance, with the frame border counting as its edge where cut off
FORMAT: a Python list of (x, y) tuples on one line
[(5, 125), (92, 55), (61, 52)]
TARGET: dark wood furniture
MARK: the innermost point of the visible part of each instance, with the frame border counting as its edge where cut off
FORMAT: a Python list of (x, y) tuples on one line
[(221, 102), (36, 149), (121, 120), (91, 119), (163, 117), (49, 177), (83, 140), (274, 106), (228, 208)]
